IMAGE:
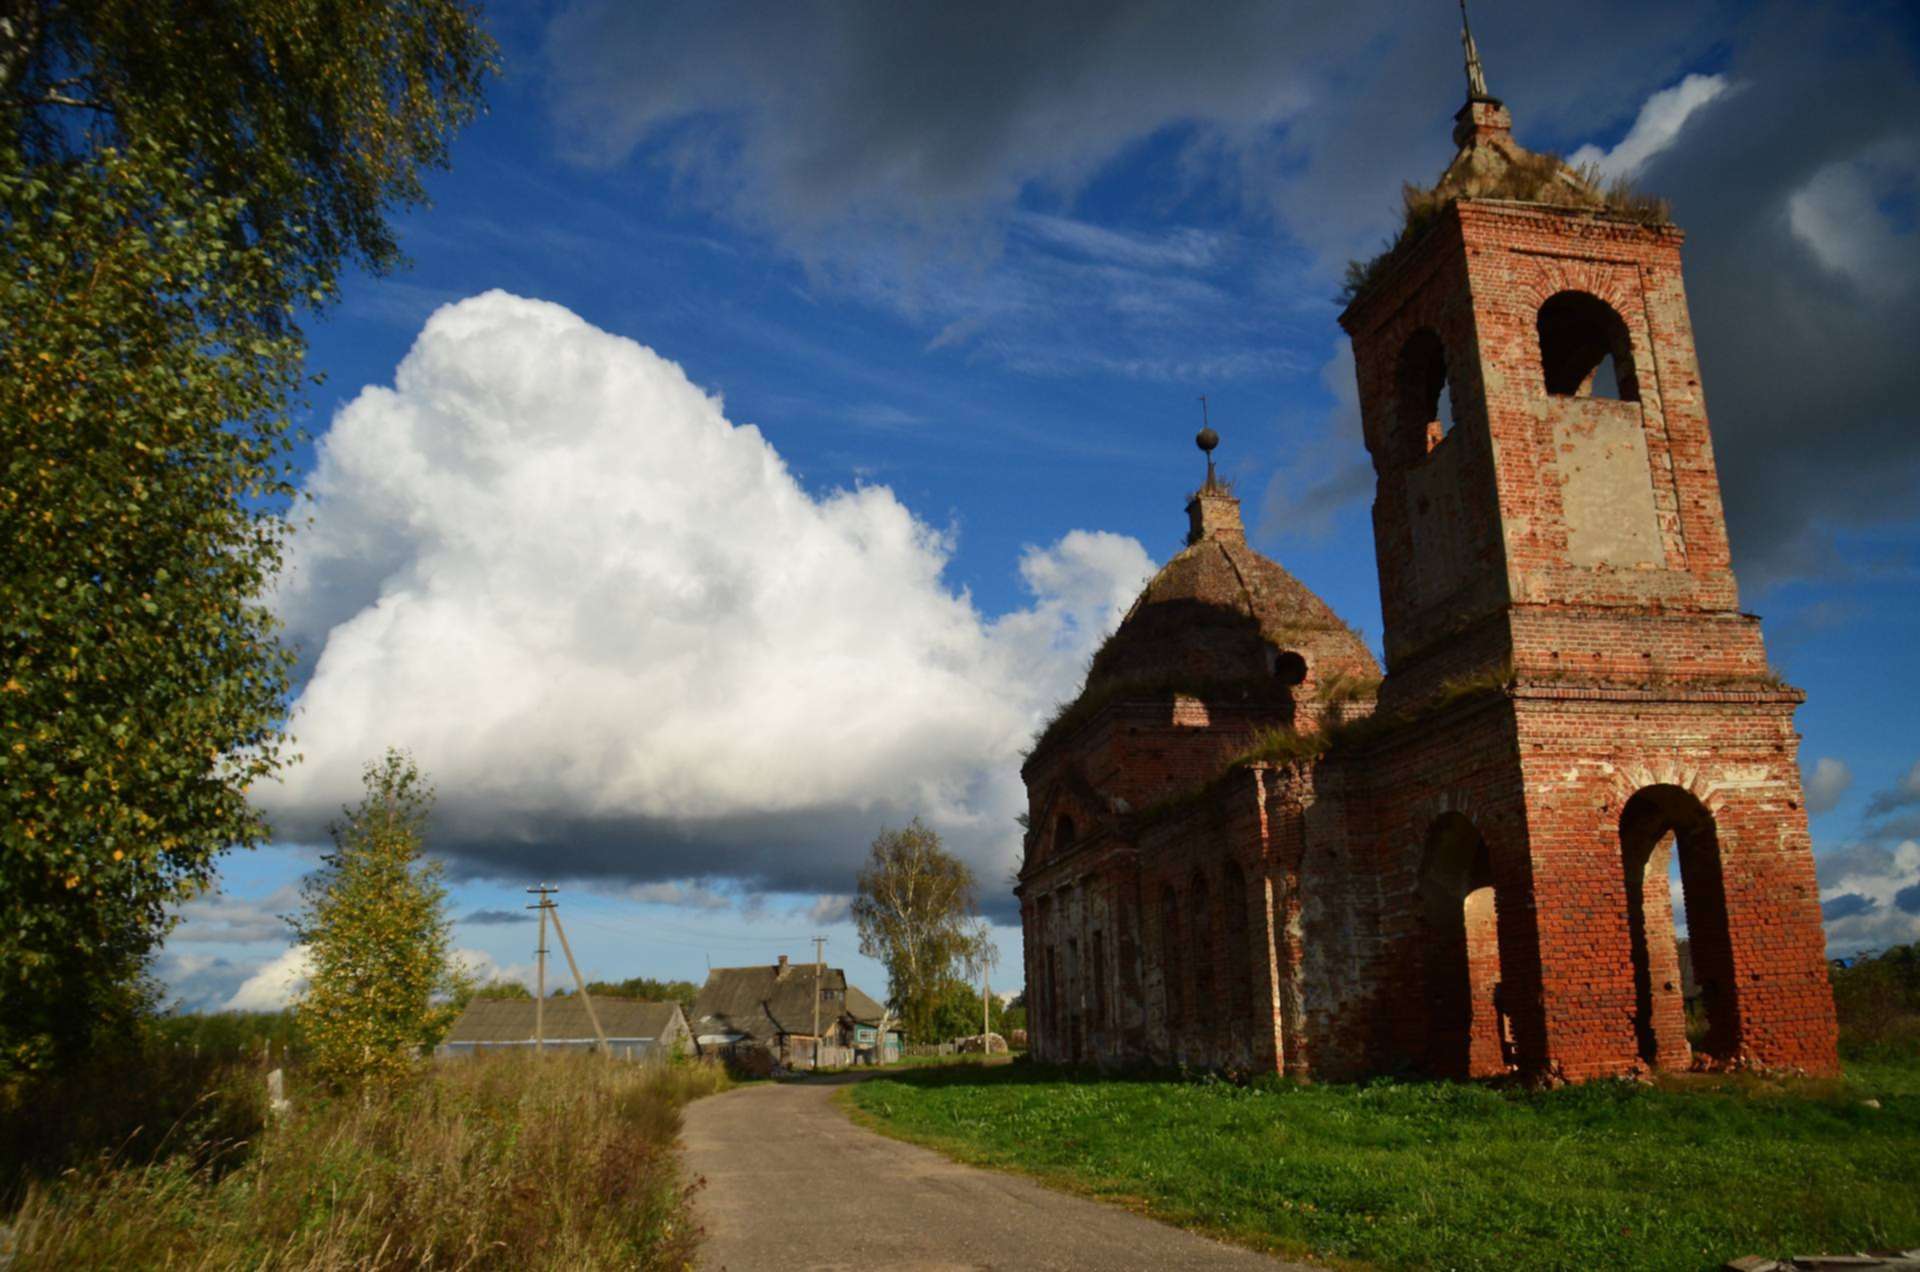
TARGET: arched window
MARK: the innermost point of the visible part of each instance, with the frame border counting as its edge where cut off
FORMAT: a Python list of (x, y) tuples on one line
[(1658, 825), (1201, 930), (1233, 939), (1585, 350), (1171, 973), (1424, 411), (1289, 668), (1063, 832), (1466, 1035)]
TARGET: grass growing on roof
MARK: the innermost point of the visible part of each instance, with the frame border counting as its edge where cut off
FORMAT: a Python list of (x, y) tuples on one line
[(1534, 178), (1610, 1174)]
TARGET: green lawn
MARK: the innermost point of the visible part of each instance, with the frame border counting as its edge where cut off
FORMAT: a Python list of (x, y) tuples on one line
[(1606, 1175)]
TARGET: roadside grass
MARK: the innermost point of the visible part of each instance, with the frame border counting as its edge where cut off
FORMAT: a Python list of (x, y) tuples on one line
[(516, 1161), (1686, 1174)]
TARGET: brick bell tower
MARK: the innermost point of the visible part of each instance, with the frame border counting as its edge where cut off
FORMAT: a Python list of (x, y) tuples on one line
[(1575, 701)]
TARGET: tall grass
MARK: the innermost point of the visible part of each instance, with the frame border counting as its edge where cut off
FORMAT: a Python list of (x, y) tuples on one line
[(510, 1161)]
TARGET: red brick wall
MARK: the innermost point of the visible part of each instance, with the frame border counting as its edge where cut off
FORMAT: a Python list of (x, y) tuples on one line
[(1567, 556)]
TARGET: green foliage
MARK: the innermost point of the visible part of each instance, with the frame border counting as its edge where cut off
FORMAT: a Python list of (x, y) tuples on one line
[(1341, 688), (316, 117), (956, 1012), (375, 923), (1015, 1016), (142, 685), (914, 907), (175, 185), (1605, 1175), (163, 1091), (1280, 744), (230, 1035), (649, 990), (504, 1161), (1878, 1001)]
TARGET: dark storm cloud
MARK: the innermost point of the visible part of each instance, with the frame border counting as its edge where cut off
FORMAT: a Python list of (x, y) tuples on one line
[(495, 918), (806, 853), (1805, 292), (871, 139), (1903, 794), (1845, 907)]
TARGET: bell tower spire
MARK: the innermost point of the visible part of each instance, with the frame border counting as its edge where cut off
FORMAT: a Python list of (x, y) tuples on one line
[(1476, 74), (1556, 537)]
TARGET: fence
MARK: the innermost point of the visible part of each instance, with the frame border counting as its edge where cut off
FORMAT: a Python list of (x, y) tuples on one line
[(931, 1049)]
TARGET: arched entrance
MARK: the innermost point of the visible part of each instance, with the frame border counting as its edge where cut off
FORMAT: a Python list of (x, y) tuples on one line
[(1659, 824), (1466, 1036)]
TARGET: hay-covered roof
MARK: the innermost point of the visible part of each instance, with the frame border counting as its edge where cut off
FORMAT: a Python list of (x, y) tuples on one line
[(1490, 164)]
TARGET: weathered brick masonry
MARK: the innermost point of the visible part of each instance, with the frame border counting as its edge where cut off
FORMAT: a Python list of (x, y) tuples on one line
[(1249, 850)]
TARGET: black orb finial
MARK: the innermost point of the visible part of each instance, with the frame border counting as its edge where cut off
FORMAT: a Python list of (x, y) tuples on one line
[(1206, 439)]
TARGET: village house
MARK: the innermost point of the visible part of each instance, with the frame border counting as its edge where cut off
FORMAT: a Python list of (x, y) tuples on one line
[(1249, 849), (634, 1030), (779, 1007)]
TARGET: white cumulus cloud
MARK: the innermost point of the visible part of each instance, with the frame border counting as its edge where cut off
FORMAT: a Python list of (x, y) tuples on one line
[(273, 985), (1826, 784), (1844, 216), (624, 641)]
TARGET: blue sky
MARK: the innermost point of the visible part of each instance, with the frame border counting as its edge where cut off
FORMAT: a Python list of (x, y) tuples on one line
[(811, 387)]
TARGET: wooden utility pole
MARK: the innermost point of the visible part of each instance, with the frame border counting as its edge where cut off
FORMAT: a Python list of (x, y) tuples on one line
[(819, 970), (586, 1000), (540, 960)]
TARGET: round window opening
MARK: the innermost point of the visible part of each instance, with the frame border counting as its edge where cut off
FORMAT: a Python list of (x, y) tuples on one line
[(1289, 668)]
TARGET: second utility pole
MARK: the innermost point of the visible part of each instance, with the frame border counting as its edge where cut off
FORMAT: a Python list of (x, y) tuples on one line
[(819, 969), (540, 957)]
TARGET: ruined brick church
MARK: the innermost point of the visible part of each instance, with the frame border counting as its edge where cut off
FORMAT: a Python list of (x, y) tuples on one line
[(1249, 850)]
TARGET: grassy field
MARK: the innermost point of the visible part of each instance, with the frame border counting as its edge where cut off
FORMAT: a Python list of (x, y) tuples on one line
[(507, 1162), (1613, 1175)]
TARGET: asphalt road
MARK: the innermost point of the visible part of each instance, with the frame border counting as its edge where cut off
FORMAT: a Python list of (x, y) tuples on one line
[(791, 1183)]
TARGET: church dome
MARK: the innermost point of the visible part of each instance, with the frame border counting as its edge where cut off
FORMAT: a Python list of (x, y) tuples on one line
[(1221, 615)]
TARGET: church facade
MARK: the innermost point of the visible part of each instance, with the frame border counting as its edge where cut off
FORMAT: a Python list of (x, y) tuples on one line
[(1250, 849)]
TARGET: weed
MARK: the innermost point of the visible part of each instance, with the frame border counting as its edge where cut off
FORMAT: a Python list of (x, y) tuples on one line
[(1532, 178), (1435, 1174), (520, 1161)]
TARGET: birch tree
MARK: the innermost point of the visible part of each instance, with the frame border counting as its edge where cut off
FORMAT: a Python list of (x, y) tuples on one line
[(915, 910), (384, 984), (179, 184)]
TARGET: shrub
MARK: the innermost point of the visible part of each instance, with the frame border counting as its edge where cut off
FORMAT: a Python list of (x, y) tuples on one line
[(1878, 1001)]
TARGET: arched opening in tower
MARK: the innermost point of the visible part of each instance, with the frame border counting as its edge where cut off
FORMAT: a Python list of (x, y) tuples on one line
[(1678, 1005), (1425, 397), (1467, 1034), (1585, 350)]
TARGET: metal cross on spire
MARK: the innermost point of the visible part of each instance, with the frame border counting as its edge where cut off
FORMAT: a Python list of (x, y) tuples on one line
[(1476, 74)]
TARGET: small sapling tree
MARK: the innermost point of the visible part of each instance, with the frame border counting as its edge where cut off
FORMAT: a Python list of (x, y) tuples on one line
[(383, 984)]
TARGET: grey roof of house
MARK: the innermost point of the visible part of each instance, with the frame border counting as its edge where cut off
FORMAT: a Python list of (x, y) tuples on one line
[(506, 1020), (762, 1003)]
